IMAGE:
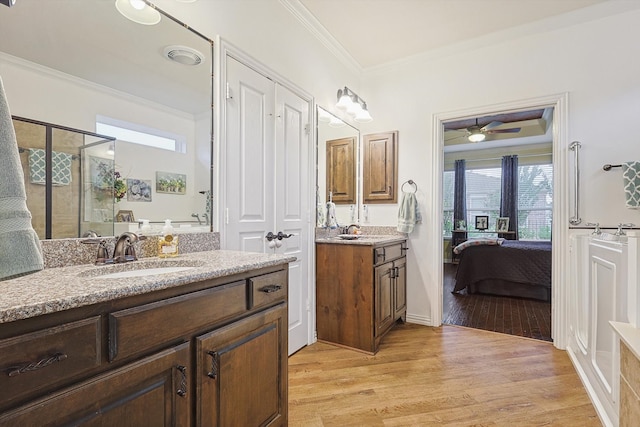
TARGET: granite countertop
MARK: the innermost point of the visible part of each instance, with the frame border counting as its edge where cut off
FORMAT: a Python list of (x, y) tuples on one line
[(364, 239), (57, 289)]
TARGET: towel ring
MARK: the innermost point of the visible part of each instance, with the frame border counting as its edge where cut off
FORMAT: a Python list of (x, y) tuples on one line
[(410, 182)]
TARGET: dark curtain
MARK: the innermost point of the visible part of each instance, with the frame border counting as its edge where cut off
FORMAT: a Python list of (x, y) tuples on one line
[(509, 194), (459, 194)]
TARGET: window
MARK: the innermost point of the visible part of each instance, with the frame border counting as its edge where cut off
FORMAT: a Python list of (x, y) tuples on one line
[(535, 196), (138, 134)]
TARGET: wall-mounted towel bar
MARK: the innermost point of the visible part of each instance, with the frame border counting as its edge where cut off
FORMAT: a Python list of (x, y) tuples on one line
[(575, 220), (24, 150), (608, 167)]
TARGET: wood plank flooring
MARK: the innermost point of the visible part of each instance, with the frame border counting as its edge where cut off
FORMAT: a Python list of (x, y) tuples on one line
[(515, 316), (446, 376)]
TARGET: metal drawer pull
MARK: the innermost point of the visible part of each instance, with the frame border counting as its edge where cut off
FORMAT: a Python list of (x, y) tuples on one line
[(182, 390), (16, 370), (270, 288), (214, 365)]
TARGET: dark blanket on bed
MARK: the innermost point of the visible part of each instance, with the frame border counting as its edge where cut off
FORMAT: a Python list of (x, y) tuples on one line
[(522, 262)]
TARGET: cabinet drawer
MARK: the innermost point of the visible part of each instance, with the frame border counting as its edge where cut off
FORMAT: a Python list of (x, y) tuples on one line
[(158, 324), (47, 358), (268, 288), (387, 253)]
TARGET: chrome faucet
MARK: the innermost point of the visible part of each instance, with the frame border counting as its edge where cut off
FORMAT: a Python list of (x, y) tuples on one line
[(195, 215), (206, 218), (597, 230), (124, 250), (620, 231), (347, 229)]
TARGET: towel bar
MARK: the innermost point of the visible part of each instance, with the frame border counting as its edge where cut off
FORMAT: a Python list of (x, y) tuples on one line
[(608, 167)]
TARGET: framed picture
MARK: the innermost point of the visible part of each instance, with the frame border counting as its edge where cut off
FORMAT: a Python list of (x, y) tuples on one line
[(171, 183), (502, 224), (482, 222), (125, 216), (138, 190), (461, 224)]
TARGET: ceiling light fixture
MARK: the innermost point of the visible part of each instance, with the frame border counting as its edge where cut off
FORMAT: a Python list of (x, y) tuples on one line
[(111, 150), (355, 106), (138, 11), (477, 136), (183, 55)]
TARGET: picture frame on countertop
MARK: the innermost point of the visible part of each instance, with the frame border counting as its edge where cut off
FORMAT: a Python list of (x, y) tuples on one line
[(502, 224)]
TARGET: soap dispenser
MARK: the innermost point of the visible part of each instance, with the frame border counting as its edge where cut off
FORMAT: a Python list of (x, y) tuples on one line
[(168, 243)]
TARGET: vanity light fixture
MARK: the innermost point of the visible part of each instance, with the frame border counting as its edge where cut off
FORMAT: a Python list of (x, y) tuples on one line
[(335, 122), (8, 2), (138, 11), (354, 105)]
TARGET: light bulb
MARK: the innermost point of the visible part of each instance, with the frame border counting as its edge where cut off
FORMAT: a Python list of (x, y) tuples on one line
[(137, 4)]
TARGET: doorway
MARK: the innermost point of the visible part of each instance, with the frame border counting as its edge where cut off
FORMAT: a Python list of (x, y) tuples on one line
[(497, 222), (559, 287)]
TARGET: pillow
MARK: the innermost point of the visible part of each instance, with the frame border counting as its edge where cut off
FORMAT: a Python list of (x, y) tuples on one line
[(477, 242)]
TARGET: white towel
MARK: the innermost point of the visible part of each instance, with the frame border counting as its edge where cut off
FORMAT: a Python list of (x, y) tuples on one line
[(60, 168), (408, 213), (631, 181), (20, 251), (332, 221)]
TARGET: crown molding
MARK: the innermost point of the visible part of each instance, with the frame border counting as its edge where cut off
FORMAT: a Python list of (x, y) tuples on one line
[(314, 26)]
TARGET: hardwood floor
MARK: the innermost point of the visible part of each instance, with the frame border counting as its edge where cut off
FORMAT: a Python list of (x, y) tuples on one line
[(515, 316), (450, 376)]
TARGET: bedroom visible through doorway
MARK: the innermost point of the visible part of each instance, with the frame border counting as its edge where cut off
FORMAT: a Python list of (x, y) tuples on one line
[(497, 221)]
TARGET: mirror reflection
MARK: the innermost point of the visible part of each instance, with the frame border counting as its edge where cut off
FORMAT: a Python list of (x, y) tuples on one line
[(337, 180), (75, 64)]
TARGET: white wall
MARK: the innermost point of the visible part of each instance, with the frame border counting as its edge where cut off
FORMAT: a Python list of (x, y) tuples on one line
[(597, 62)]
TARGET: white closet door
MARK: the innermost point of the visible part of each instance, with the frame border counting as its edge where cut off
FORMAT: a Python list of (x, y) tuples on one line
[(292, 205), (267, 180), (250, 159)]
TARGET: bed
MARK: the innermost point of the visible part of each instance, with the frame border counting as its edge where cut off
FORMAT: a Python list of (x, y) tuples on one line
[(510, 268)]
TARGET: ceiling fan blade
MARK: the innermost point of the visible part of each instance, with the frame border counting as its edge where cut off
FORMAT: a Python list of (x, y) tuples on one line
[(491, 126), (453, 134), (512, 130)]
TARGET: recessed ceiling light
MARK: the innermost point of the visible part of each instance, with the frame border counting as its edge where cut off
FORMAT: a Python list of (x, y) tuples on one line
[(183, 55), (138, 11)]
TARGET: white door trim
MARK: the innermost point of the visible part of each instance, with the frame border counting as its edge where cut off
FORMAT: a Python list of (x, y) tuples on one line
[(560, 244), (224, 49)]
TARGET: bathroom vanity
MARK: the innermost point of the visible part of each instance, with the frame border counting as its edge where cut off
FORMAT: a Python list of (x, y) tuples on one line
[(360, 289), (202, 341)]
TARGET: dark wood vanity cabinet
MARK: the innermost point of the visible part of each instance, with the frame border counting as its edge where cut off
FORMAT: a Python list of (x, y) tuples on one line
[(211, 353), (360, 292)]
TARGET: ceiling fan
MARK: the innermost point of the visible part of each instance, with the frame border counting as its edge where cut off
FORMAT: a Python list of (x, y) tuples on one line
[(475, 133)]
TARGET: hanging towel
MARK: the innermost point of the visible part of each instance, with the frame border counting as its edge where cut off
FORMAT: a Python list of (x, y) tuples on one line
[(631, 181), (60, 167), (20, 251), (332, 222), (408, 213)]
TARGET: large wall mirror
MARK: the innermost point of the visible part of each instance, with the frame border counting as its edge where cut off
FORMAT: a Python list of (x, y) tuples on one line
[(338, 176), (71, 64)]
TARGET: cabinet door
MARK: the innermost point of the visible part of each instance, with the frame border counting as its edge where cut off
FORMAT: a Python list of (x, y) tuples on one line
[(400, 289), (150, 392), (380, 171), (242, 372), (341, 170), (385, 312)]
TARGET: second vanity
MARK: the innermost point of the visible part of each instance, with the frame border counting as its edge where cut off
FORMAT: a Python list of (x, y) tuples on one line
[(360, 289), (204, 343)]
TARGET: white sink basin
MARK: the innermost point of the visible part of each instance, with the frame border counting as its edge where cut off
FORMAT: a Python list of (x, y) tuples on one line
[(144, 272), (152, 267)]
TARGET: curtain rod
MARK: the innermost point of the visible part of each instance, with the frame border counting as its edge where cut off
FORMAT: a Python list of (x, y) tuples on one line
[(500, 158)]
